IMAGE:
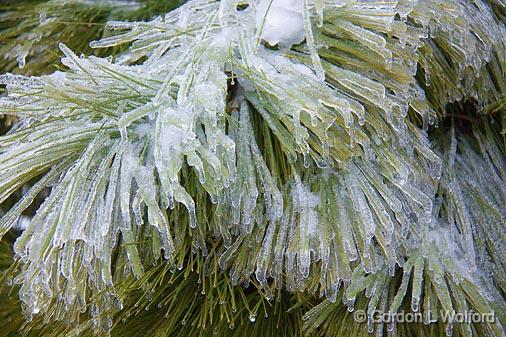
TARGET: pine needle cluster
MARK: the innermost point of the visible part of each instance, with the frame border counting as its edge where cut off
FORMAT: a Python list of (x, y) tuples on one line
[(200, 171)]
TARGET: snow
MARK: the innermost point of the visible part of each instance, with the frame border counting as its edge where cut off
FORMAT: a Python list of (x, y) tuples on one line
[(280, 22)]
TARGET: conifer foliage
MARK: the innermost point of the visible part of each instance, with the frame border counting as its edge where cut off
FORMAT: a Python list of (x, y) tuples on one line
[(253, 168)]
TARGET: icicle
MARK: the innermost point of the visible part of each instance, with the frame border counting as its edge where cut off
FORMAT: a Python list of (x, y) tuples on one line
[(308, 30), (417, 283)]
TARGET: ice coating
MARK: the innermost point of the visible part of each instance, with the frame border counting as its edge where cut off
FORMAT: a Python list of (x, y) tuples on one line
[(301, 162)]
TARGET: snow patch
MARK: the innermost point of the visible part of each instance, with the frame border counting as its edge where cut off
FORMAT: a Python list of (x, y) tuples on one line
[(281, 22)]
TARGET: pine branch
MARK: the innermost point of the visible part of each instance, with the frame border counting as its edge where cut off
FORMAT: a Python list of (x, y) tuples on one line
[(218, 147)]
